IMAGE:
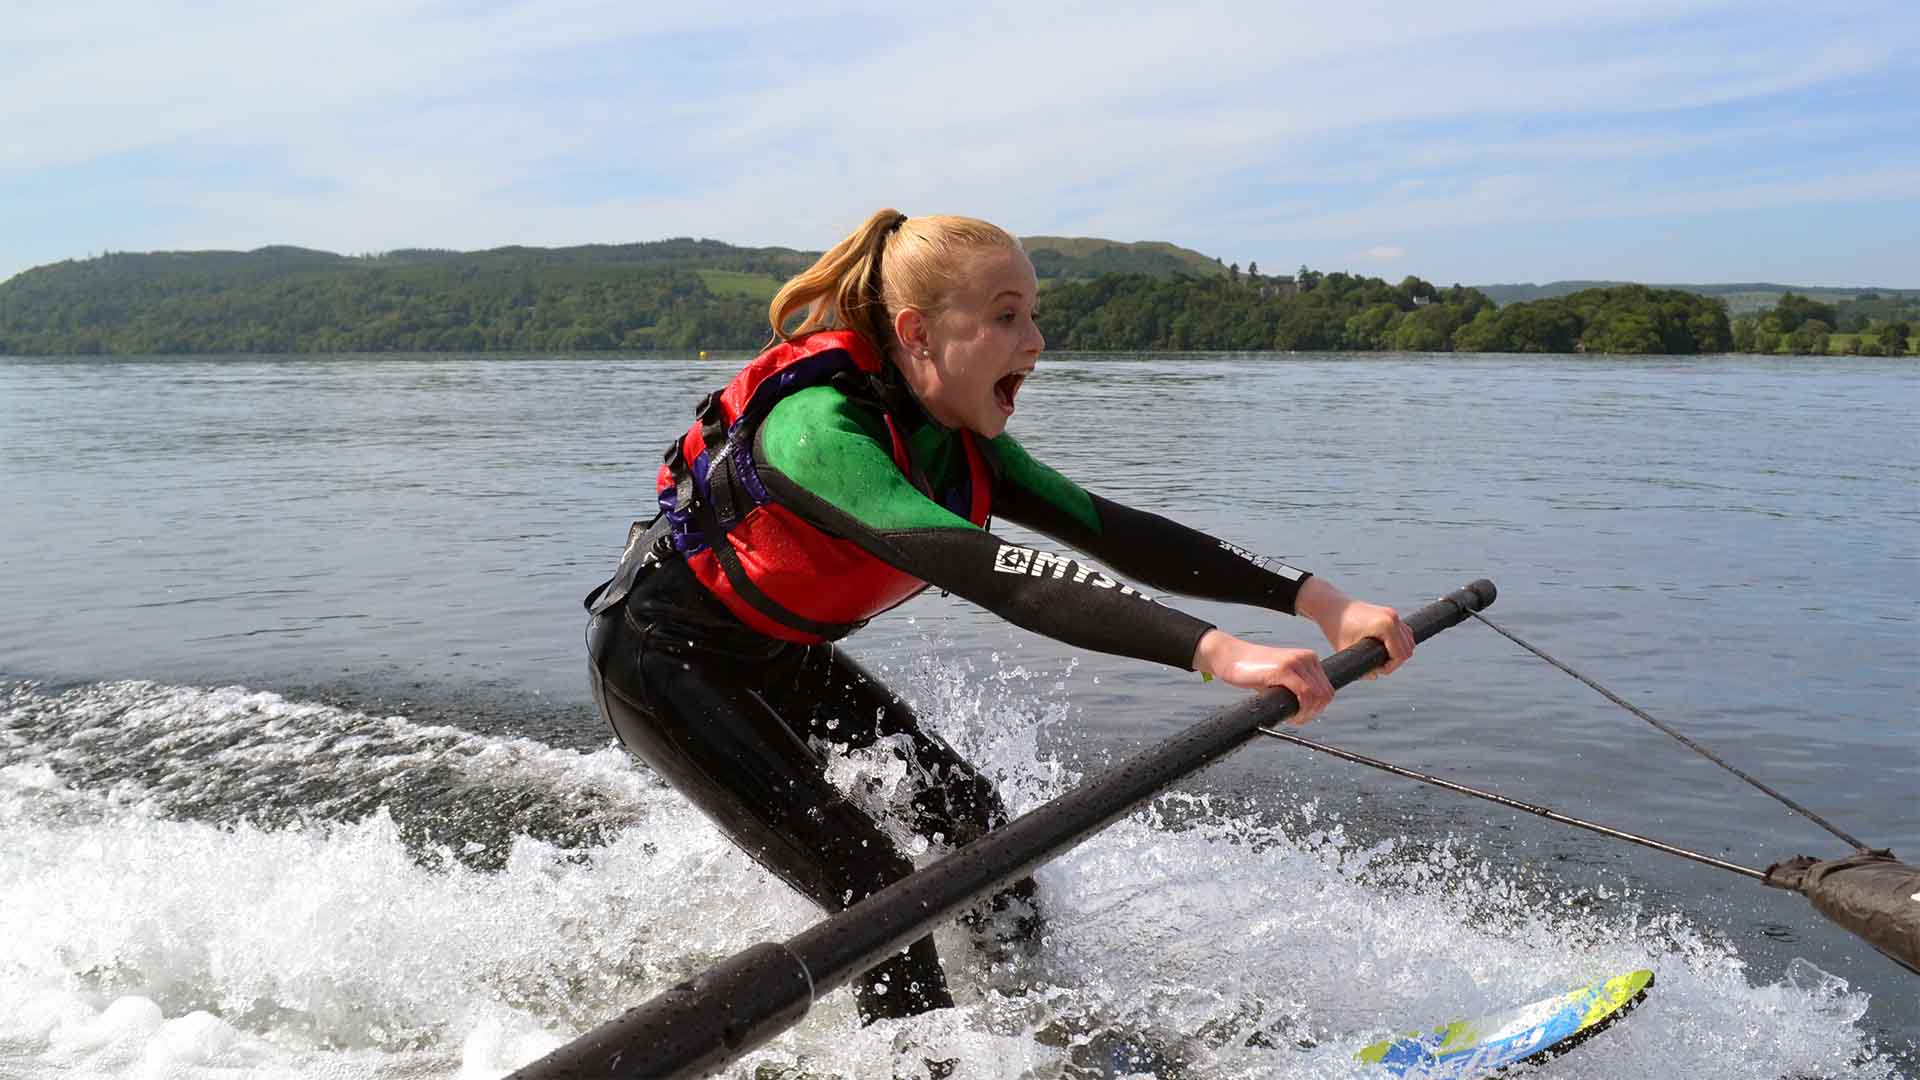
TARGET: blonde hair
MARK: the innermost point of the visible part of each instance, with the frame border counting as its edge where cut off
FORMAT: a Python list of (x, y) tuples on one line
[(890, 263)]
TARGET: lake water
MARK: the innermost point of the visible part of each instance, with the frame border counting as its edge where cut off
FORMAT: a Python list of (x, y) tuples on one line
[(299, 774)]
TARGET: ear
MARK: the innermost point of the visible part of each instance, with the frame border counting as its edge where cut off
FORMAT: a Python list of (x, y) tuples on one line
[(910, 329)]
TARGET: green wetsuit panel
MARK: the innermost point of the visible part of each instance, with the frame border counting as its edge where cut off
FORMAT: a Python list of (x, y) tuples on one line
[(841, 452)]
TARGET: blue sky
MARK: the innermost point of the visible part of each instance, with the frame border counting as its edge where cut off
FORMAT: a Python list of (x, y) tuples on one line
[(1677, 141)]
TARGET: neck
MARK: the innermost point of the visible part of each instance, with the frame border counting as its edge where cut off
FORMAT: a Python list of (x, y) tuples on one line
[(903, 398)]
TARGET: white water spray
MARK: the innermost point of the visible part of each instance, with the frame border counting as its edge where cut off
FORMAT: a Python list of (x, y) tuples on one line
[(145, 937)]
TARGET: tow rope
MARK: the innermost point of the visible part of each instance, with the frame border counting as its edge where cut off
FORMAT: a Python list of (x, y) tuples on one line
[(1869, 893)]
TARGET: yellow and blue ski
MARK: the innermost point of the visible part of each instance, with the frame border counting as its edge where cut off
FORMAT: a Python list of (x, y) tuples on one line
[(1470, 1049)]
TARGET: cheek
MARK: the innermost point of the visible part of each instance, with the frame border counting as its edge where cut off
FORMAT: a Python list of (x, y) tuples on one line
[(982, 383), (968, 372)]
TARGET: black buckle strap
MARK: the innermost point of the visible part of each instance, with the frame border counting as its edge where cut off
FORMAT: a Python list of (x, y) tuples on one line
[(647, 545), (714, 515), (721, 485), (682, 475), (744, 586), (713, 422)]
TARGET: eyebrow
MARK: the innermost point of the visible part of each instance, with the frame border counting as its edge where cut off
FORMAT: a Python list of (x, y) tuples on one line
[(1015, 293)]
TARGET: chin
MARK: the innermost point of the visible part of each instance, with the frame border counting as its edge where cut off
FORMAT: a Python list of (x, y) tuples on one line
[(993, 427)]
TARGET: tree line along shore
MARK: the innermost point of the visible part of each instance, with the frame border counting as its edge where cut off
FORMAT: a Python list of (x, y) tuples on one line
[(684, 295)]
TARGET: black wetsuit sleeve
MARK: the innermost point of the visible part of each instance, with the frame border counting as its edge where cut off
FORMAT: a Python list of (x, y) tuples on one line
[(1166, 555), (1155, 551)]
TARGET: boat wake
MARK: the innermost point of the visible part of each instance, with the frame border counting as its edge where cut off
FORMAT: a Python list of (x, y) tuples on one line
[(198, 881)]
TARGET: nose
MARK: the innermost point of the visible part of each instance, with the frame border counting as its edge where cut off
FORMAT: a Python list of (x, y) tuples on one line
[(1035, 340)]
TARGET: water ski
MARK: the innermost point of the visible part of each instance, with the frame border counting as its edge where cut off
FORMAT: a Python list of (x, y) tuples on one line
[(1468, 1049)]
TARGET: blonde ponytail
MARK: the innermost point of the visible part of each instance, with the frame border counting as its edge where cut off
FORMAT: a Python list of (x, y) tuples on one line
[(890, 263), (841, 288)]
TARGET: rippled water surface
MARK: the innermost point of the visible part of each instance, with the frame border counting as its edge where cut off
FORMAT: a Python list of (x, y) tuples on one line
[(299, 773)]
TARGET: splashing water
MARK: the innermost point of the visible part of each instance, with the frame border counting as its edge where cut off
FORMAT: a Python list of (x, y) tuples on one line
[(202, 881)]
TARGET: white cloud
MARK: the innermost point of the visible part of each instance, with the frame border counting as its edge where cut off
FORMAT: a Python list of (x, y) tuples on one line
[(374, 124), (1379, 253), (1524, 199)]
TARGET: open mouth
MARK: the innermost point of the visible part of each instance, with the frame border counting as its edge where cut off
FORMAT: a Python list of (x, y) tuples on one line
[(1008, 386)]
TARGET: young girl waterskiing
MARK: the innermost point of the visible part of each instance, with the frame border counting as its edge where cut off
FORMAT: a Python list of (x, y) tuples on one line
[(853, 463)]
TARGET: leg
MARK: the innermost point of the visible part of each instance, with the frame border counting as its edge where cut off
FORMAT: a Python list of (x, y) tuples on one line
[(838, 700), (957, 803), (696, 722)]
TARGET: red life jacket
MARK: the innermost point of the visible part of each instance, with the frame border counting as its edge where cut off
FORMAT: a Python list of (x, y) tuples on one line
[(774, 571)]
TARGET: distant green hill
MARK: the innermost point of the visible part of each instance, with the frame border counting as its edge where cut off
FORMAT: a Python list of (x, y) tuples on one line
[(687, 294), (1740, 298), (680, 294), (1070, 258), (279, 300)]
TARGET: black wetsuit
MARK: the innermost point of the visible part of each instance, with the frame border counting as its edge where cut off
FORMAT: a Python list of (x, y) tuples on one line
[(725, 713)]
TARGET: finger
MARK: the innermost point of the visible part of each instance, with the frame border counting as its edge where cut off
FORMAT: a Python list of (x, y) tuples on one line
[(1309, 712), (1398, 641), (1315, 693), (1393, 660), (1303, 715), (1304, 709), (1404, 635), (1392, 635)]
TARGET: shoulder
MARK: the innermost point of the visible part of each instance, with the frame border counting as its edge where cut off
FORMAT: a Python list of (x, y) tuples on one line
[(1020, 473), (824, 407), (1004, 450), (1012, 461), (817, 422)]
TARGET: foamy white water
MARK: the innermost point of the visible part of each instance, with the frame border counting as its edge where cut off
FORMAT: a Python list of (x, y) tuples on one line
[(203, 883)]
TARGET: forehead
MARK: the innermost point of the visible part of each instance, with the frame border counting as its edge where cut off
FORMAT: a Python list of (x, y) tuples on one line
[(990, 272)]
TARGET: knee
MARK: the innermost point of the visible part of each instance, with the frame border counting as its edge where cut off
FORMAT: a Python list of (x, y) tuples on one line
[(965, 805), (855, 864)]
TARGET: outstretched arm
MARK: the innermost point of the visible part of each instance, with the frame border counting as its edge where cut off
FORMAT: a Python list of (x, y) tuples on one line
[(1148, 548), (1168, 555), (827, 462)]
